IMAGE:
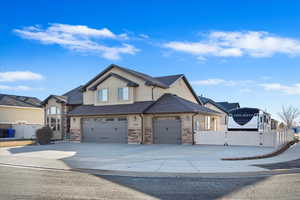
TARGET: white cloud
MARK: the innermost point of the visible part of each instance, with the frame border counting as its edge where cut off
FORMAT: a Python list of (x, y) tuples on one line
[(16, 88), (266, 77), (80, 38), (217, 81), (245, 90), (285, 89), (19, 76), (209, 82), (144, 36), (237, 44)]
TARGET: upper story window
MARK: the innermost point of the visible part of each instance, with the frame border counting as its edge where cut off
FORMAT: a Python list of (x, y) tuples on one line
[(103, 95), (123, 93), (53, 110)]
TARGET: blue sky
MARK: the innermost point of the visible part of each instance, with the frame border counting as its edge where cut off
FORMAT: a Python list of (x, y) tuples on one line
[(245, 51)]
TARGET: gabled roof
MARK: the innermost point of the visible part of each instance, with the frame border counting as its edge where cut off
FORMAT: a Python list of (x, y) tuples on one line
[(224, 106), (72, 97), (22, 101), (59, 99), (120, 109), (163, 81), (148, 79), (206, 100), (229, 106), (169, 80), (170, 103), (129, 82)]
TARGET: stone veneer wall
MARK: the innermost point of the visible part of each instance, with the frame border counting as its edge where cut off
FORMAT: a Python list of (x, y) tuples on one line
[(75, 129), (64, 120), (134, 129)]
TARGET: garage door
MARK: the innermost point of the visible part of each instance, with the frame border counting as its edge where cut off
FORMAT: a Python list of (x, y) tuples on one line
[(167, 131), (105, 130)]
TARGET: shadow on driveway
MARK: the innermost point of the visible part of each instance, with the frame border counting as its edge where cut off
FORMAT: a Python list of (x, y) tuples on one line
[(162, 188)]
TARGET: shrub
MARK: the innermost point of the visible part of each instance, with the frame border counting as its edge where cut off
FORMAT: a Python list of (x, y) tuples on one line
[(44, 135)]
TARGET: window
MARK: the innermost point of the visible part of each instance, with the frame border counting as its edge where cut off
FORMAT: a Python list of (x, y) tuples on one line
[(103, 95), (122, 119), (53, 110), (207, 122), (57, 110), (123, 93), (53, 123), (58, 124), (225, 120), (197, 125)]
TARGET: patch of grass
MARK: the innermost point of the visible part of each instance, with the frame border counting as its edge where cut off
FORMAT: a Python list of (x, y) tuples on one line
[(16, 142)]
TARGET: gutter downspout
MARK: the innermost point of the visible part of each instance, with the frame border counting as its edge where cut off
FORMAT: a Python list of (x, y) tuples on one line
[(142, 128), (193, 133)]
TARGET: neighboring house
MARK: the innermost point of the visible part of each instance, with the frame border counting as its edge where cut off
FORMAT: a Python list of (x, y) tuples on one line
[(224, 108), (125, 106), (56, 109), (24, 114)]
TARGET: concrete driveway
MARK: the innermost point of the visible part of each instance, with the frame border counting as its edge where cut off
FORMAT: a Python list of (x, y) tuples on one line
[(142, 158)]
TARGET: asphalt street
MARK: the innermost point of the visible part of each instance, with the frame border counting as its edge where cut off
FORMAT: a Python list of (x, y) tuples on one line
[(28, 183)]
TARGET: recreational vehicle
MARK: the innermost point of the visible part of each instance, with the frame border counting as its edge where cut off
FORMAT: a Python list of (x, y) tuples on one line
[(249, 119)]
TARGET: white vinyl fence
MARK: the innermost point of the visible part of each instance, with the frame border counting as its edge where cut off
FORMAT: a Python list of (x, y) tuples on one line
[(246, 138), (25, 131)]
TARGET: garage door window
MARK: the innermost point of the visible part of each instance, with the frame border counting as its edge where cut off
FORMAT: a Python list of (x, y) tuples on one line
[(122, 119)]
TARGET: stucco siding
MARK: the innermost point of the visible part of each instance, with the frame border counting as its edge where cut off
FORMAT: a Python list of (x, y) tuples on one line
[(221, 124), (14, 115), (180, 88), (141, 93), (112, 84)]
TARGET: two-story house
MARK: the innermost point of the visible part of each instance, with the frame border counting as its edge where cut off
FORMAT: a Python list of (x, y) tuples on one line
[(125, 106)]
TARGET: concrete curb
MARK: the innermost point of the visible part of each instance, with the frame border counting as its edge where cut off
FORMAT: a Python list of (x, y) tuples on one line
[(165, 174), (277, 152)]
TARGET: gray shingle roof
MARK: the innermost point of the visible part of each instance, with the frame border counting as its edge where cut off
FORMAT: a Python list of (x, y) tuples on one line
[(149, 80), (22, 101), (163, 82), (129, 82), (225, 106), (229, 106), (74, 96), (90, 110), (169, 80), (170, 103)]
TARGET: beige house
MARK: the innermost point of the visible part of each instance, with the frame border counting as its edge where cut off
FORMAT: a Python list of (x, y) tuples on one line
[(24, 114), (125, 106), (56, 108), (219, 124)]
